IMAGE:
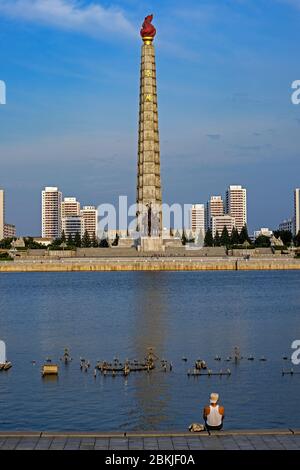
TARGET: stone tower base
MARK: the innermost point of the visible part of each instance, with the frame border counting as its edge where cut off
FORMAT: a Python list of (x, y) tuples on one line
[(151, 244)]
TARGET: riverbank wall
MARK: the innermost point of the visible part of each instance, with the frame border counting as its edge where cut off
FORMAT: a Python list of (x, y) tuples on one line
[(150, 264)]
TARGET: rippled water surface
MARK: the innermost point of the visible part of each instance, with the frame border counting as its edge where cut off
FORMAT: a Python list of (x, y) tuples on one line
[(103, 315)]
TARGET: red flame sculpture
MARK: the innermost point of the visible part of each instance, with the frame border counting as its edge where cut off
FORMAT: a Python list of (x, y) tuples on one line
[(148, 30)]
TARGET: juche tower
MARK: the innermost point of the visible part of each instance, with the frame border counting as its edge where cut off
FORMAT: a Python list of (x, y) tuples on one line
[(149, 195)]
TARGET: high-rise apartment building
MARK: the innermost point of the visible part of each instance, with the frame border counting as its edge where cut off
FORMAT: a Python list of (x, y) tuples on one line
[(2, 214), (236, 205), (51, 212), (214, 208), (89, 215), (197, 217), (70, 207), (296, 211), (221, 221)]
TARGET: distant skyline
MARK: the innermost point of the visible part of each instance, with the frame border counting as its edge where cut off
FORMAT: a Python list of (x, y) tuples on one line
[(225, 70)]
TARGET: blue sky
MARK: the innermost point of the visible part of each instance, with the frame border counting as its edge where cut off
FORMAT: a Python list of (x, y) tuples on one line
[(225, 70)]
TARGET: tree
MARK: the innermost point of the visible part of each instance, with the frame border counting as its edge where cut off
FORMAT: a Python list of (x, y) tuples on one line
[(285, 235), (56, 243), (86, 241), (263, 241), (6, 243), (63, 237), (104, 243), (95, 243), (70, 240), (297, 239), (225, 238), (31, 244), (116, 240), (217, 240), (244, 237), (208, 240), (234, 238), (184, 238), (77, 240)]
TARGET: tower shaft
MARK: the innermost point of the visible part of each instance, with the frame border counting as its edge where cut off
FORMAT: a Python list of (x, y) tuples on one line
[(149, 195)]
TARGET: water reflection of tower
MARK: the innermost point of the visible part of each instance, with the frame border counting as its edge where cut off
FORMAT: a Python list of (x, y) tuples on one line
[(152, 391)]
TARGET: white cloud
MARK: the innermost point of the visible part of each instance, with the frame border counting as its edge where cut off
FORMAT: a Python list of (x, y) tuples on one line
[(71, 15)]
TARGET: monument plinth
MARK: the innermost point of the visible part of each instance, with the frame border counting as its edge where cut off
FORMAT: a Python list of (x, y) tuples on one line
[(149, 196)]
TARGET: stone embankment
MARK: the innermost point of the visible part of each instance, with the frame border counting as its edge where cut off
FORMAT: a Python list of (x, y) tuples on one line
[(150, 264)]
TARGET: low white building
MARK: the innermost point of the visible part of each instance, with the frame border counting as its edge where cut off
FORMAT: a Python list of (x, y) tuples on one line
[(219, 222), (266, 232)]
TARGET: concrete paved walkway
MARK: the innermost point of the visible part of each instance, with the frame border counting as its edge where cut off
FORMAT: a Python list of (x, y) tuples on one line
[(285, 439)]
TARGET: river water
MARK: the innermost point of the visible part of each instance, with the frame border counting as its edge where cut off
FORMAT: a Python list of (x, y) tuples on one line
[(100, 316)]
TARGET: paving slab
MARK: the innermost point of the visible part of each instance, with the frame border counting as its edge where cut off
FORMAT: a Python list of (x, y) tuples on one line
[(150, 443), (102, 444), (243, 442), (289, 443), (229, 443), (10, 443), (27, 443), (118, 444), (165, 443), (195, 443), (136, 444)]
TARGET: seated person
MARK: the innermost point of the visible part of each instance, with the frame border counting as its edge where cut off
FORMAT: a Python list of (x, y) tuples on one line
[(214, 414)]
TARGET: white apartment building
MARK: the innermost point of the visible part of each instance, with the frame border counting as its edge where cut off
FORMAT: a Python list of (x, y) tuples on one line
[(219, 222), (236, 205), (2, 213), (287, 225), (51, 212), (89, 215), (214, 208), (9, 231), (296, 211), (197, 218), (70, 207), (266, 232), (72, 225)]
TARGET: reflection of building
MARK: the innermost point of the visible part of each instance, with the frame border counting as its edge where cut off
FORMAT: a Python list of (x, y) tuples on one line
[(214, 208), (219, 222), (296, 211), (197, 216), (150, 326), (51, 213), (89, 215), (236, 205)]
